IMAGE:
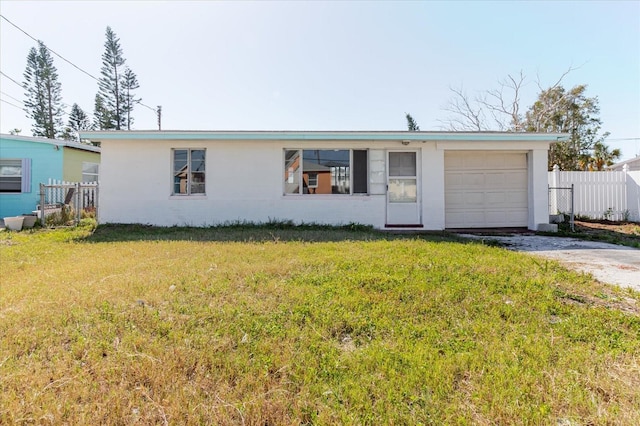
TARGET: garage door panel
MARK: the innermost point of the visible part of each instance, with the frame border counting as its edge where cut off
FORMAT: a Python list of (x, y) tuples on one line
[(473, 198), (517, 197), (473, 180), (495, 198), (485, 189), (453, 180)]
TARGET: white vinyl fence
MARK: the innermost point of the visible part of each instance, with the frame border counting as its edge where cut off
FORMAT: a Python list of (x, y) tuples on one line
[(612, 195), (56, 194)]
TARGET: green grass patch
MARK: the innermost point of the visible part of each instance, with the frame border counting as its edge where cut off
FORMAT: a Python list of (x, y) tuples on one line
[(284, 325)]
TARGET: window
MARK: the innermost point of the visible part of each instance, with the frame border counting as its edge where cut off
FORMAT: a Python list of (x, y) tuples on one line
[(90, 172), (188, 171), (15, 175), (325, 171), (313, 180)]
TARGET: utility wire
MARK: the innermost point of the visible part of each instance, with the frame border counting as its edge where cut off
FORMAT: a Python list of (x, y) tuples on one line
[(9, 96), (61, 57), (48, 48), (13, 105), (12, 79)]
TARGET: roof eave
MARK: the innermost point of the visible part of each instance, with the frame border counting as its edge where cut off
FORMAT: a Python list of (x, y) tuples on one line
[(321, 135)]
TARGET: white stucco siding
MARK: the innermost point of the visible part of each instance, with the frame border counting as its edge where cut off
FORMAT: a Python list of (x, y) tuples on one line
[(244, 182), (432, 196), (538, 188)]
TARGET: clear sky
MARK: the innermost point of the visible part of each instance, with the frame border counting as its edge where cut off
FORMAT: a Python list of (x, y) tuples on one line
[(329, 65)]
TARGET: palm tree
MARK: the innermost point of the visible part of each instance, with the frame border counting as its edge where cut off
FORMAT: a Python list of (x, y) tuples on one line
[(601, 157)]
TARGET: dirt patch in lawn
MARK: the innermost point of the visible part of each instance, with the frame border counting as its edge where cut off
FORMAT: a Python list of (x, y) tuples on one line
[(626, 233)]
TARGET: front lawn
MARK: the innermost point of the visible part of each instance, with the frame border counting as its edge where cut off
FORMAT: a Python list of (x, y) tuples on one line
[(271, 326)]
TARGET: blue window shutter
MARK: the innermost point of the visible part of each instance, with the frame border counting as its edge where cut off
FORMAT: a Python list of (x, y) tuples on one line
[(26, 175)]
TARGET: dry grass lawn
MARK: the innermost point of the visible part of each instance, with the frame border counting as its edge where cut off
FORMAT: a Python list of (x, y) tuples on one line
[(271, 326)]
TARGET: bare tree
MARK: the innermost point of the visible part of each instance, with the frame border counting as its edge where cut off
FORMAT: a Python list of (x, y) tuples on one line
[(503, 103), (494, 109), (466, 114)]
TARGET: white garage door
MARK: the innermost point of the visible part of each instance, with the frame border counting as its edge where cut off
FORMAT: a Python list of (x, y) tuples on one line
[(485, 189)]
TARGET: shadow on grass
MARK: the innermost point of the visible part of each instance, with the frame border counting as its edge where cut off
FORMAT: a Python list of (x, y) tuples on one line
[(259, 233)]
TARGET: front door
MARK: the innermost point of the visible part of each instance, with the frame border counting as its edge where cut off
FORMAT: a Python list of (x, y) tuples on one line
[(403, 200)]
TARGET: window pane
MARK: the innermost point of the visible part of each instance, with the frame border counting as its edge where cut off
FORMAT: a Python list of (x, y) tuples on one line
[(332, 170), (360, 172), (403, 191), (402, 164), (180, 160), (10, 184), (292, 172), (90, 168), (10, 175), (197, 183), (7, 170), (197, 160)]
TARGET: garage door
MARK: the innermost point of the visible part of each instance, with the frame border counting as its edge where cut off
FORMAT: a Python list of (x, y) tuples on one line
[(485, 189)]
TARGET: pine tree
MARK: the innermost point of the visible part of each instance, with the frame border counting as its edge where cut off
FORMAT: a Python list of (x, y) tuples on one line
[(129, 84), (102, 118), (78, 120), (412, 126), (110, 84), (43, 92)]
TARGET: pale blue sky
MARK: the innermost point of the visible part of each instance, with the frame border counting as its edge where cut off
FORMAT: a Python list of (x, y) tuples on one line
[(330, 65)]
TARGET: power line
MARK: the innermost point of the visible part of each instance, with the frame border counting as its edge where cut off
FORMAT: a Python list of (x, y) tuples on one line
[(61, 57), (12, 79), (9, 96), (48, 48), (13, 105)]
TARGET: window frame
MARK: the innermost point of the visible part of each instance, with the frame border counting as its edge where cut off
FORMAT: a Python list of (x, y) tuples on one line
[(189, 173), (90, 164), (298, 175), (24, 164)]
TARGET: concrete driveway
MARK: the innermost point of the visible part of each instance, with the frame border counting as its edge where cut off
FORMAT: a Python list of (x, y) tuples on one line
[(608, 263)]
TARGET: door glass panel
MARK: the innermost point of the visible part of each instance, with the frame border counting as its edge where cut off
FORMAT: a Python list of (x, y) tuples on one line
[(402, 164), (403, 190)]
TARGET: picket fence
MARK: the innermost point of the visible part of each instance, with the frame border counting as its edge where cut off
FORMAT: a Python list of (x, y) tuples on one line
[(611, 195), (79, 195)]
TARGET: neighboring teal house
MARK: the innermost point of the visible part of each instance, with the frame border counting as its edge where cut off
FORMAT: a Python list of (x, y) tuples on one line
[(25, 162)]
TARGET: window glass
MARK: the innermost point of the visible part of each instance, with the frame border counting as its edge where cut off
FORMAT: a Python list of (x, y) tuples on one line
[(189, 171), (360, 172), (332, 170), (325, 171), (402, 164), (10, 175), (292, 172), (403, 191), (90, 172)]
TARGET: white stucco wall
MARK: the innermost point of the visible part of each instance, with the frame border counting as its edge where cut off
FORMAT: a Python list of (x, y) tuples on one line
[(538, 188), (244, 182)]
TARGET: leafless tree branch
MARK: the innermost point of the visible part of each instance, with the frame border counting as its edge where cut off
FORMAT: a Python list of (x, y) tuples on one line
[(465, 115)]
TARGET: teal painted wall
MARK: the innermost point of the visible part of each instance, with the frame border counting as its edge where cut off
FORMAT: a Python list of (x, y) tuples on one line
[(46, 162)]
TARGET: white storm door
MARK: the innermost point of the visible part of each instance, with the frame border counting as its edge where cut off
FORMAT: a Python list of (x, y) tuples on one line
[(403, 193)]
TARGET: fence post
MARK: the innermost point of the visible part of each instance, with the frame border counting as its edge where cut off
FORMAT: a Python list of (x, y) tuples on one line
[(78, 203), (42, 204), (556, 184), (572, 211), (96, 200)]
